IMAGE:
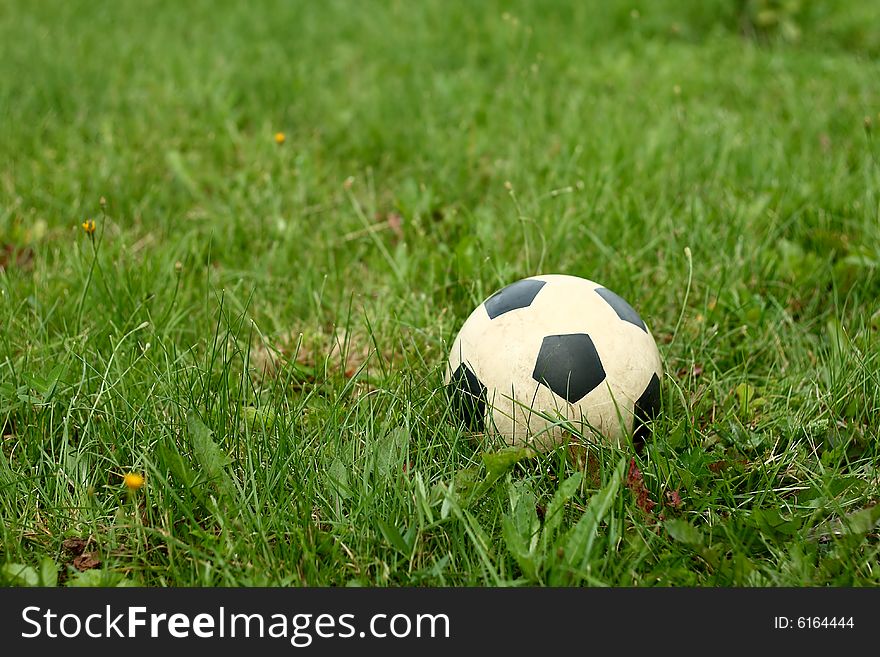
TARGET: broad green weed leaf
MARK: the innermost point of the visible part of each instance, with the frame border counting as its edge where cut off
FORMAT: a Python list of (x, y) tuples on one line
[(498, 463), (98, 577), (449, 503), (518, 546), (210, 458), (338, 475), (749, 398), (466, 483), (390, 452), (392, 535), (48, 572), (520, 529), (853, 525), (18, 574), (862, 522), (261, 418), (522, 506), (771, 522), (684, 532)]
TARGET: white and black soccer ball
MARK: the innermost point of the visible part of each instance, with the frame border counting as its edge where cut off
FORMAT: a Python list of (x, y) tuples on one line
[(553, 353)]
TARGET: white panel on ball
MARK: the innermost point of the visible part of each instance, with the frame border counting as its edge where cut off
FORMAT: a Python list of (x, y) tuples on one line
[(551, 353)]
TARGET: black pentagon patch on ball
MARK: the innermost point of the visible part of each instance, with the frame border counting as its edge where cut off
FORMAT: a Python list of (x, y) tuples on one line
[(569, 365), (646, 408), (468, 398), (625, 311), (516, 295)]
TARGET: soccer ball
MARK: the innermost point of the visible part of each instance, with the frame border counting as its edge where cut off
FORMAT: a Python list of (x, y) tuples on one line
[(551, 357)]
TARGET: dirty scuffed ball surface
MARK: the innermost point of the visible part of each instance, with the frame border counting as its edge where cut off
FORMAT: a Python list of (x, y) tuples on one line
[(552, 353)]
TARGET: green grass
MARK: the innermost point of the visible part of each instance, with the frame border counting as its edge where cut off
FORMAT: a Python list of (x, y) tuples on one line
[(193, 338)]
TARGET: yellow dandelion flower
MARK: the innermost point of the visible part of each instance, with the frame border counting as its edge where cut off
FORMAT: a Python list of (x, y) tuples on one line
[(89, 226), (279, 137), (134, 481)]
